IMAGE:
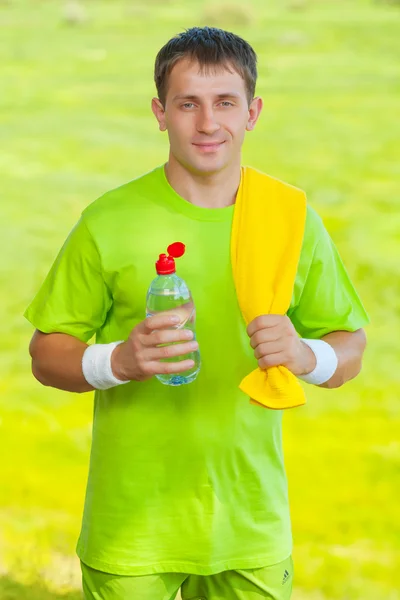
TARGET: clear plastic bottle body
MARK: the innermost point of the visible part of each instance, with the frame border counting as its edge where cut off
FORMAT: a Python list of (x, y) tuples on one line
[(170, 294)]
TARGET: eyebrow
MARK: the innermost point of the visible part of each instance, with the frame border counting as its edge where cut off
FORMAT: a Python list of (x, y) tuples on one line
[(193, 97)]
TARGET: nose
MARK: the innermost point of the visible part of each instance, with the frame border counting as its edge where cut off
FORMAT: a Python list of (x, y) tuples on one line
[(206, 122)]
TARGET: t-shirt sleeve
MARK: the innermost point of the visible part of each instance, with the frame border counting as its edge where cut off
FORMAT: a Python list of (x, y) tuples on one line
[(327, 300), (74, 297)]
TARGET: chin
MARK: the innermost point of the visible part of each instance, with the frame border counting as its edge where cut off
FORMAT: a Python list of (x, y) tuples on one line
[(208, 165)]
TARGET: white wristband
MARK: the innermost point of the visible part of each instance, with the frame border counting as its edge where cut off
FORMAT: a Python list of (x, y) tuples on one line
[(96, 366), (327, 362)]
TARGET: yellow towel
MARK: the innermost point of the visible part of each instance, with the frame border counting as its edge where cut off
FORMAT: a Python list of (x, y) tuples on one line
[(266, 240)]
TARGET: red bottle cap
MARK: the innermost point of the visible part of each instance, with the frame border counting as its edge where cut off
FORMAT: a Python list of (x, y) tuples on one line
[(166, 264)]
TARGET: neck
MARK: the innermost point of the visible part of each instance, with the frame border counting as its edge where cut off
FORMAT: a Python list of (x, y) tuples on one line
[(208, 190)]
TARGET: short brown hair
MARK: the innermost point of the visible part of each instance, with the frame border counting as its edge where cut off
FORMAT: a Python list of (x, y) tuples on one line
[(210, 47)]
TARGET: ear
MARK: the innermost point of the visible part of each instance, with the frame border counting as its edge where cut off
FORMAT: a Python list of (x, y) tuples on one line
[(159, 113), (255, 109)]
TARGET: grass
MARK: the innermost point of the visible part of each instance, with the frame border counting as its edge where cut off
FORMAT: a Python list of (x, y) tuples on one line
[(75, 121)]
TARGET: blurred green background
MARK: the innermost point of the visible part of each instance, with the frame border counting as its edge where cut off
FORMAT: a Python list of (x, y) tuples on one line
[(75, 90)]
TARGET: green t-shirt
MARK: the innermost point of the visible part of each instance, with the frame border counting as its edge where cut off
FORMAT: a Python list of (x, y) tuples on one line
[(182, 479)]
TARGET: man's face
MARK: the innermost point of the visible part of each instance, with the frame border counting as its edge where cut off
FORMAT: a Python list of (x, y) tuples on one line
[(206, 116)]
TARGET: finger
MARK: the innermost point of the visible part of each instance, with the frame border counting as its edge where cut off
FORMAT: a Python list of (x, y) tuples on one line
[(171, 351), (167, 336), (263, 322), (159, 321), (262, 336), (169, 368), (268, 348), (272, 360)]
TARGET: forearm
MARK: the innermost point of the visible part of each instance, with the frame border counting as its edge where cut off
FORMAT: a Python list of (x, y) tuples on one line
[(57, 361), (349, 348)]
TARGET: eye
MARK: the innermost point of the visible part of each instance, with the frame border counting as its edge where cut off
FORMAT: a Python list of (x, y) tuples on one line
[(226, 103), (187, 105)]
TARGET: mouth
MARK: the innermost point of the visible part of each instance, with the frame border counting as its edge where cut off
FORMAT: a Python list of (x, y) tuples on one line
[(211, 147)]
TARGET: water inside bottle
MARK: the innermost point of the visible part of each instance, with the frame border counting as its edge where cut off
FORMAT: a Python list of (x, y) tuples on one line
[(170, 302)]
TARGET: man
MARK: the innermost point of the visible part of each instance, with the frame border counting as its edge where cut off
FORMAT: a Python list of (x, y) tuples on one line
[(187, 487)]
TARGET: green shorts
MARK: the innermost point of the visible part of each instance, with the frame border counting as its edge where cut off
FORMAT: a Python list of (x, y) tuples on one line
[(274, 583)]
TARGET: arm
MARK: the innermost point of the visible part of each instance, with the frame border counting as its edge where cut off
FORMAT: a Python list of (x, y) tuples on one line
[(57, 361), (69, 308), (325, 304), (275, 342), (57, 357), (349, 348)]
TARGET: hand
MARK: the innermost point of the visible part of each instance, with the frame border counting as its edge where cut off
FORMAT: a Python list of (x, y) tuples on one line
[(139, 357), (276, 342)]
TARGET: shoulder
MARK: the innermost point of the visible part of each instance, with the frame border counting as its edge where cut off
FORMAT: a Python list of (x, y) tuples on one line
[(319, 250), (114, 203), (314, 224), (316, 236), (270, 180)]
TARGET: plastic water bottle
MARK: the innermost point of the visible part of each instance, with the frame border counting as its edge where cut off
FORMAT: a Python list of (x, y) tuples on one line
[(168, 293)]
